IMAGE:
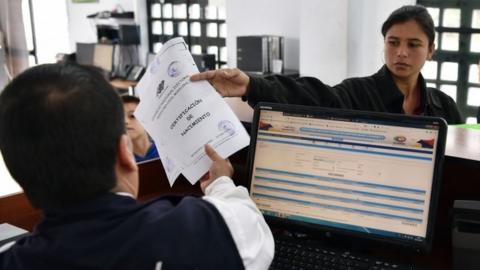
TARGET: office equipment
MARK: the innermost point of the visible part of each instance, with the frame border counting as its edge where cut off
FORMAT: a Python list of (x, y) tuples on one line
[(257, 53), (128, 34), (85, 52), (204, 62), (108, 14), (107, 34), (120, 30), (134, 73), (103, 56), (466, 235), (354, 180), (116, 28)]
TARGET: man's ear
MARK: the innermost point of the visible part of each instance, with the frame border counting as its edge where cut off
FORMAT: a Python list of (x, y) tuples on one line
[(125, 155), (126, 170)]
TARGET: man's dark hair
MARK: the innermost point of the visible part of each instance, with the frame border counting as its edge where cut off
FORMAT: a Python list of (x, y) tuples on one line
[(60, 126), (130, 99), (417, 13)]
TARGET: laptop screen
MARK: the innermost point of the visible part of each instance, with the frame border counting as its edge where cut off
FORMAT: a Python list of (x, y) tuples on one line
[(355, 172)]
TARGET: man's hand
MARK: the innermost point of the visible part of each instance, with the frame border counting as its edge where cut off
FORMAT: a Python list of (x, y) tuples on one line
[(220, 167), (227, 82)]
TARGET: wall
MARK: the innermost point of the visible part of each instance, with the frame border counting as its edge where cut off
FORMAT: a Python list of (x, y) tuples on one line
[(264, 17), (323, 39), (84, 30), (330, 40), (51, 28), (140, 9), (365, 41)]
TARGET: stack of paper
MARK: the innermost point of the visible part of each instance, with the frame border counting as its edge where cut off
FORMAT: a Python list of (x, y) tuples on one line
[(182, 116)]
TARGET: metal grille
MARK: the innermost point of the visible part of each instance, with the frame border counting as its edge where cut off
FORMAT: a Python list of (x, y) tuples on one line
[(201, 25), (453, 68)]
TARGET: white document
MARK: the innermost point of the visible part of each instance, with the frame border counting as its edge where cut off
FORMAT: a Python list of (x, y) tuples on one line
[(182, 116)]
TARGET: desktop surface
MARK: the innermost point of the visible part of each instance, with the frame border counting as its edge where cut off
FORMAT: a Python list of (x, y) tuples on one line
[(463, 143)]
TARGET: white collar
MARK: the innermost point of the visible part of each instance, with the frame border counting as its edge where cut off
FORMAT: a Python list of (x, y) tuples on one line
[(124, 194)]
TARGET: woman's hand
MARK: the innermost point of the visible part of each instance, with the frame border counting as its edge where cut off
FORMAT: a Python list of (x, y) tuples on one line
[(227, 82)]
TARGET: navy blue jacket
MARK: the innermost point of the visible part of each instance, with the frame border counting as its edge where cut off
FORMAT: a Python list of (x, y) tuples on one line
[(117, 232)]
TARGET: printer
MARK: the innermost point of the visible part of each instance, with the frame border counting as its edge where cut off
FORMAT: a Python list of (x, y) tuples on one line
[(466, 235)]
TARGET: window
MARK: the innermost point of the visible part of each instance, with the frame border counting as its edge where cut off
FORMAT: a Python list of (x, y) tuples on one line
[(46, 30), (453, 68), (27, 11), (200, 23)]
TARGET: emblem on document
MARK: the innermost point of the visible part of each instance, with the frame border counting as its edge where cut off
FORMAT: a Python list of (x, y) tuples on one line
[(160, 88), (174, 69), (227, 127)]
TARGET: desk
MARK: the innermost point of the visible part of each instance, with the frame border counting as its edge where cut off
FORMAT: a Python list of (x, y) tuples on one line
[(461, 180)]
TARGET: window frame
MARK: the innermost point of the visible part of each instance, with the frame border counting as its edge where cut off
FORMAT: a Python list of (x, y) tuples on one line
[(203, 40), (33, 51), (463, 57)]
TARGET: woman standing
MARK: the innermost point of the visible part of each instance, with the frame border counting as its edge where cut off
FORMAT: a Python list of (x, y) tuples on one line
[(398, 87)]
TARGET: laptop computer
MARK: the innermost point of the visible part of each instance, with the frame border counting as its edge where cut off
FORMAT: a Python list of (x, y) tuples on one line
[(360, 180)]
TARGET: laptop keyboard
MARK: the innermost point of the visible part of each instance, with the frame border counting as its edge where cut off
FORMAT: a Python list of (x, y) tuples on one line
[(294, 255)]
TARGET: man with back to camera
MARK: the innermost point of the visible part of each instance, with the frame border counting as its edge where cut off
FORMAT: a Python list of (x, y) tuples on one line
[(62, 136)]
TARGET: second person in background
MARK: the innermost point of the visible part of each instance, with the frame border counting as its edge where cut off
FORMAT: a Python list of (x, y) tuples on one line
[(143, 146)]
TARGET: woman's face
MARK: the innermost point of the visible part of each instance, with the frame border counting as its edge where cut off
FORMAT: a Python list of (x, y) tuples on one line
[(406, 49), (134, 129)]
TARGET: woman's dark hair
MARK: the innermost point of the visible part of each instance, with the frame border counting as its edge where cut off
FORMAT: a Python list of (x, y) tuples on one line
[(417, 13)]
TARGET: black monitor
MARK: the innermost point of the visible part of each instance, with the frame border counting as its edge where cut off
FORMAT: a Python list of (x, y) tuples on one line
[(362, 175), (85, 53), (107, 33), (128, 34)]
